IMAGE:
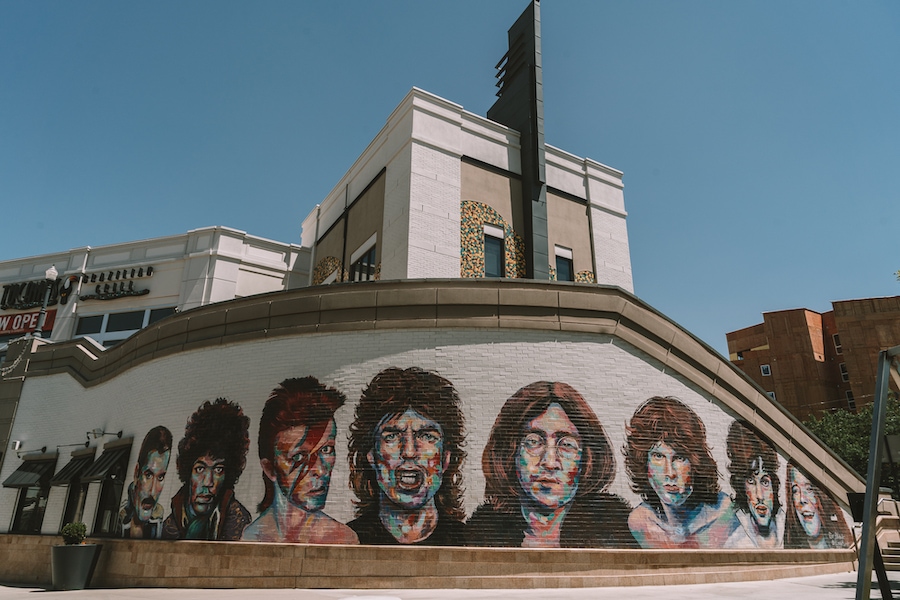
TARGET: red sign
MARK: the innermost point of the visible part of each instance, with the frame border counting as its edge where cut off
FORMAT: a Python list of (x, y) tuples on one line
[(25, 322)]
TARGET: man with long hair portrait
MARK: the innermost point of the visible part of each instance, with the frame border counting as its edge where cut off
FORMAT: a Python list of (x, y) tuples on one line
[(672, 469), (547, 465), (406, 450), (753, 465)]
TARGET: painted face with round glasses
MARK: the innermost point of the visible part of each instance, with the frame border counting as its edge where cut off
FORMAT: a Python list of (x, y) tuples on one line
[(549, 459)]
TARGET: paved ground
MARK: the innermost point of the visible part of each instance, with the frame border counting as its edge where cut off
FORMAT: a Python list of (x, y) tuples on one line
[(823, 587)]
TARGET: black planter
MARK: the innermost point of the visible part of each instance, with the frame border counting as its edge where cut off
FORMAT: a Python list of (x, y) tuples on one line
[(71, 567)]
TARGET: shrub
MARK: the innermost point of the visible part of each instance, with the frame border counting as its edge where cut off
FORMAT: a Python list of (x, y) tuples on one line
[(73, 533)]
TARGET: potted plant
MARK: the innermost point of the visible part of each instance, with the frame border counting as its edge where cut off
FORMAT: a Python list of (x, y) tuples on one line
[(72, 565)]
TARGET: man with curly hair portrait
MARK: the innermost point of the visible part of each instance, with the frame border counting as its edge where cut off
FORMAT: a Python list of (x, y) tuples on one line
[(405, 457), (672, 469), (211, 458)]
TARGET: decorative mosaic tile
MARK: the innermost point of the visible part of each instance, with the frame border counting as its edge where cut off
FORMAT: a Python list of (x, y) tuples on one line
[(473, 217), (585, 277), (326, 267)]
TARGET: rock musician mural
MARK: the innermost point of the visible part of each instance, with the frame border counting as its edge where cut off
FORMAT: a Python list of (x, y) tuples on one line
[(549, 467), (754, 477), (297, 437), (211, 458), (405, 455), (672, 469), (814, 520), (141, 515)]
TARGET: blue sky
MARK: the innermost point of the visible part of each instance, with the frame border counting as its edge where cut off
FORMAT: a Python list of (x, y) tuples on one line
[(760, 141)]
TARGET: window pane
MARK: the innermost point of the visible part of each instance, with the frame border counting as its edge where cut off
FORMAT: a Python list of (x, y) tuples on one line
[(160, 313), (493, 256), (364, 268), (30, 511), (87, 325), (125, 321), (564, 269)]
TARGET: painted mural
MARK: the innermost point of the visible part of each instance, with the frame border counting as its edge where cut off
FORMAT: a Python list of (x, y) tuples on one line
[(211, 457), (548, 468)]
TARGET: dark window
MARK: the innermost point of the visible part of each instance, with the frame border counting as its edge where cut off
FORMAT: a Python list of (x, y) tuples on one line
[(771, 395), (364, 267), (75, 502), (160, 313), (110, 495), (88, 325), (851, 403), (845, 375), (125, 321), (30, 509), (493, 256), (564, 269), (766, 370), (838, 349)]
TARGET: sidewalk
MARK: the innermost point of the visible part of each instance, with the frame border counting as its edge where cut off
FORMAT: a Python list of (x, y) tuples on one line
[(841, 586)]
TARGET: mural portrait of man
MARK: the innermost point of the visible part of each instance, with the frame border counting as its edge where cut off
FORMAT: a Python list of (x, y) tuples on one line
[(211, 458), (296, 442), (547, 465), (405, 456), (814, 520), (753, 465), (672, 469), (141, 515)]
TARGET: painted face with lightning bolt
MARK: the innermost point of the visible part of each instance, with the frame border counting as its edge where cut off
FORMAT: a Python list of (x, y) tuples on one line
[(304, 458)]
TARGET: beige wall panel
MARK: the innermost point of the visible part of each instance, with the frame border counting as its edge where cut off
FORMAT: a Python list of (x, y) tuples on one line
[(501, 192), (567, 226)]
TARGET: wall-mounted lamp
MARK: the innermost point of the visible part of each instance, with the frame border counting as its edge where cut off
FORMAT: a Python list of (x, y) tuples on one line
[(50, 276), (86, 443), (99, 432), (19, 453)]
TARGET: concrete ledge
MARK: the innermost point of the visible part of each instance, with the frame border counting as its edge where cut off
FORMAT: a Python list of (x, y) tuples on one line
[(190, 564)]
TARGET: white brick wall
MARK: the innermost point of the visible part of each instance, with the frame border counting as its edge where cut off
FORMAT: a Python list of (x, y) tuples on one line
[(433, 214), (485, 366)]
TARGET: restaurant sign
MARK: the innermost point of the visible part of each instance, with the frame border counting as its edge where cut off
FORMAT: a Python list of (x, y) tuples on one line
[(25, 322)]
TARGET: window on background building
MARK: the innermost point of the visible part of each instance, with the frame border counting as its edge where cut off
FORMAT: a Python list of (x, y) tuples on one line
[(838, 349), (851, 403), (771, 395), (111, 328), (740, 356), (565, 270), (766, 370), (845, 375), (494, 252), (363, 268)]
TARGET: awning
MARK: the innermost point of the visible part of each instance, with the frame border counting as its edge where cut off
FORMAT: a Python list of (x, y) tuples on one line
[(73, 470), (29, 473), (107, 462)]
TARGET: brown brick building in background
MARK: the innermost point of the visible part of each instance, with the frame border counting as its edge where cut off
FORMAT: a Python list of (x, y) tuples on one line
[(813, 363)]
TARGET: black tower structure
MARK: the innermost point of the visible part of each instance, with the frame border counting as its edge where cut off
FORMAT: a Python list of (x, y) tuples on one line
[(520, 106)]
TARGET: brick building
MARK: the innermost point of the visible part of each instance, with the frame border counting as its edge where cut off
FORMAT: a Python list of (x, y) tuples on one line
[(817, 362)]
